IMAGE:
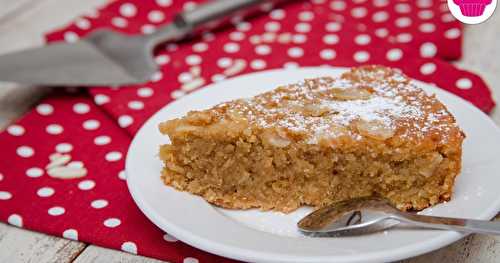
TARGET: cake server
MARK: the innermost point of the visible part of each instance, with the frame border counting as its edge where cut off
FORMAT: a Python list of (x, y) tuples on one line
[(365, 215), (106, 57)]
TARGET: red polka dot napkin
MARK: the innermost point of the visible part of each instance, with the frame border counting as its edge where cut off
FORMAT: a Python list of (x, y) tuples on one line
[(84, 136)]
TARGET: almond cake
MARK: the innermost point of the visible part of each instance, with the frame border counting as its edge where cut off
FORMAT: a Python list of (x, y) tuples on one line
[(368, 132)]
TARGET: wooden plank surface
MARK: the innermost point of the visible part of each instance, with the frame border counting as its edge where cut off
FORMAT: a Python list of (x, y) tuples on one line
[(22, 23)]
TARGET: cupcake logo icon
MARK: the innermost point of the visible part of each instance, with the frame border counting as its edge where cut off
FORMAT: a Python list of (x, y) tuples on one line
[(472, 11)]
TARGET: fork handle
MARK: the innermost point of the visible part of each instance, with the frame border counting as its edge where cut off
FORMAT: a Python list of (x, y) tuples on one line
[(456, 224)]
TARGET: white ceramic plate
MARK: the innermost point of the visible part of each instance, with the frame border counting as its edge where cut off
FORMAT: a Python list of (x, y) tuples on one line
[(272, 237)]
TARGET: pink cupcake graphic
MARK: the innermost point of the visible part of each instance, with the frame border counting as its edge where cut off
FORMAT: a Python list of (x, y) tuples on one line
[(472, 7)]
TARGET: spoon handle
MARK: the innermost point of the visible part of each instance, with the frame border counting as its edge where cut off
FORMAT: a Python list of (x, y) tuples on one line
[(456, 224)]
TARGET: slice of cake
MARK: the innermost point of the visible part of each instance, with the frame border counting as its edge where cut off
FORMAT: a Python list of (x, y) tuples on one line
[(369, 132)]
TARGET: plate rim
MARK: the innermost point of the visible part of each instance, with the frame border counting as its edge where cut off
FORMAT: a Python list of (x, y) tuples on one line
[(239, 253)]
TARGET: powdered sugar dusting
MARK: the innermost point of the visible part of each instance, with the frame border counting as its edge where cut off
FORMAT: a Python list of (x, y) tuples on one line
[(369, 101)]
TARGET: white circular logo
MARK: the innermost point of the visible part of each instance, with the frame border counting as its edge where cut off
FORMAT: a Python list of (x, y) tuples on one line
[(472, 11)]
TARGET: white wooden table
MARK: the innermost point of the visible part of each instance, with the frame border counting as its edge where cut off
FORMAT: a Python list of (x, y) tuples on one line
[(22, 24)]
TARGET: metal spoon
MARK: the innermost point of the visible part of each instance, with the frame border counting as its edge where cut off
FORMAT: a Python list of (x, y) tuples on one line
[(364, 215)]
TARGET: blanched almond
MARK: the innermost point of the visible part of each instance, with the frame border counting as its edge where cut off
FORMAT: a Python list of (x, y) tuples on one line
[(58, 160), (351, 94), (374, 129), (65, 172)]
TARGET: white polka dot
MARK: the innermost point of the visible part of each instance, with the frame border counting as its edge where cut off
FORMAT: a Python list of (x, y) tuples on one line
[(188, 6), (99, 203), (54, 129), (162, 59), (382, 32), (34, 172), (4, 195), (101, 99), (86, 185), (224, 62), (333, 27), (231, 47), (272, 26), (447, 18), (243, 26), (15, 220), (91, 124), (362, 39), (208, 36), (156, 16), (70, 234), (64, 147), (262, 50), (193, 60), (45, 109), (402, 8), (125, 121), (277, 14), (361, 56), (218, 77), (190, 260), (45, 191), (15, 130), (394, 54), (404, 38), (119, 22), (56, 211), (25, 151), (157, 76), (380, 3), (303, 27), (1, 176), (299, 38), (71, 37), (258, 64), (306, 16), (452, 33), (291, 65), (403, 22), (135, 105), (200, 47), (177, 94), (358, 12), (424, 3), (327, 54), (380, 16), (164, 2), (169, 238), (128, 10), (428, 50), (112, 222), (81, 108), (75, 164), (235, 36), (82, 23), (148, 29), (295, 52), (145, 92), (464, 83), (113, 156), (129, 247), (428, 68), (427, 27), (122, 175), (338, 5), (330, 39), (425, 14), (185, 77)]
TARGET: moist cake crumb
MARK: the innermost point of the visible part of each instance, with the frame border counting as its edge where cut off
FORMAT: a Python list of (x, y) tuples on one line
[(370, 131)]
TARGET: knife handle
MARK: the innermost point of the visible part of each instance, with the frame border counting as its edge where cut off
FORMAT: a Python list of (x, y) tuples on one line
[(207, 16)]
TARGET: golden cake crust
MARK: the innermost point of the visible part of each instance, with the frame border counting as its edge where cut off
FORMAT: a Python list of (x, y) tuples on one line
[(372, 115)]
